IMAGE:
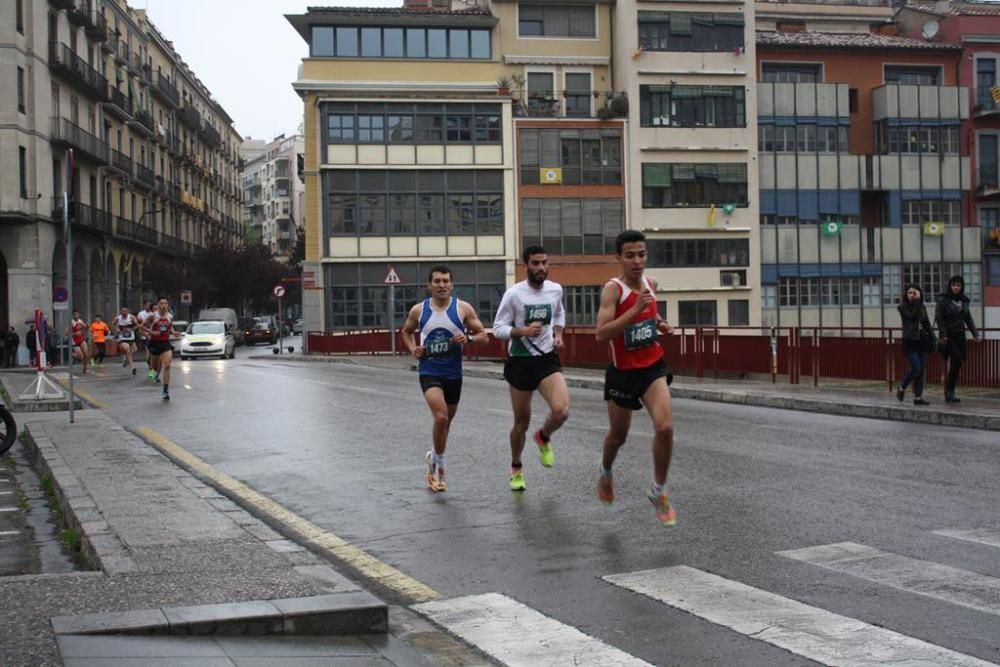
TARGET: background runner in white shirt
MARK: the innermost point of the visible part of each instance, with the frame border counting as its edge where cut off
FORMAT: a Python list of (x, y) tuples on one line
[(532, 318)]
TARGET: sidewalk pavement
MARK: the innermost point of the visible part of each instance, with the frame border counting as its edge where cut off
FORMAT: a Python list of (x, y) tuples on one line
[(870, 400), (180, 574)]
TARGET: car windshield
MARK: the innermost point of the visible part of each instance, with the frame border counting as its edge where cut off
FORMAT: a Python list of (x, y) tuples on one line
[(180, 327), (206, 328)]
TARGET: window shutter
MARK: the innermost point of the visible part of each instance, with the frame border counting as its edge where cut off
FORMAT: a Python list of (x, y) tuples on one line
[(656, 175)]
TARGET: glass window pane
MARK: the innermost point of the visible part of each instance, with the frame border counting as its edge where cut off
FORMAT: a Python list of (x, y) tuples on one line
[(393, 42), (416, 43), (459, 40), (347, 42), (437, 43), (481, 44), (371, 42), (322, 41)]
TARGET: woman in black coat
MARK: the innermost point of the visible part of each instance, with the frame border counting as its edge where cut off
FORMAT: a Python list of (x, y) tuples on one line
[(918, 340), (952, 316)]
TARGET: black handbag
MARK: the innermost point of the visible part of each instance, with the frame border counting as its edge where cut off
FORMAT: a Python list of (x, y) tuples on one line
[(928, 341)]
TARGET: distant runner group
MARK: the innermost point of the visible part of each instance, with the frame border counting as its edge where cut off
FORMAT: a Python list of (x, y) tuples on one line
[(531, 318)]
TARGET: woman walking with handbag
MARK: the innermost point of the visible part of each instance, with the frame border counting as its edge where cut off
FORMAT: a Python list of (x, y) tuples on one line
[(918, 341), (952, 316)]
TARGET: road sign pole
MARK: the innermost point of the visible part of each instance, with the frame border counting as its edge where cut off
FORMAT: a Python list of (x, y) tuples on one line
[(392, 318), (281, 339), (68, 238)]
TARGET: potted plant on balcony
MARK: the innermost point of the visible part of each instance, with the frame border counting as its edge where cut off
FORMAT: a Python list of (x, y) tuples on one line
[(503, 86)]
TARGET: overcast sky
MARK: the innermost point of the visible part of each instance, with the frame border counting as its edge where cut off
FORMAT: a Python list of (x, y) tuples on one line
[(245, 52)]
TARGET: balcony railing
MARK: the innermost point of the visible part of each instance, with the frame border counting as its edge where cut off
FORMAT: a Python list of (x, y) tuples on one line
[(121, 162), (144, 175), (985, 104), (133, 231), (62, 4), (571, 104), (83, 215), (97, 28), (123, 53), (69, 134), (110, 44), (853, 3), (174, 245), (79, 12), (166, 90), (190, 117), (121, 104), (210, 135), (144, 122), (63, 59)]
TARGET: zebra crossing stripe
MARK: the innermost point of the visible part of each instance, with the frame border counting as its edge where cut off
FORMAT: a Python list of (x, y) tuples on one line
[(515, 634), (961, 587), (807, 631), (987, 536)]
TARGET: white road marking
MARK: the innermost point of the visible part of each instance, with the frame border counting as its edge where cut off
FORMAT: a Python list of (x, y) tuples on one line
[(9, 532), (8, 509), (987, 536), (961, 587), (515, 634), (804, 630)]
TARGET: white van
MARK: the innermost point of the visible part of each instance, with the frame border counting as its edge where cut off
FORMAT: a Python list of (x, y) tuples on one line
[(227, 315)]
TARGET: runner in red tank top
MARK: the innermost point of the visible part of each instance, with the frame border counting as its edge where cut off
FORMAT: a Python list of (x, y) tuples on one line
[(160, 329), (78, 330), (629, 322)]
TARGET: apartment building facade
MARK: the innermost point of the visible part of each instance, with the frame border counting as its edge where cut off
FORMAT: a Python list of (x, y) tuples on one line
[(865, 175), (272, 190), (976, 28), (155, 173)]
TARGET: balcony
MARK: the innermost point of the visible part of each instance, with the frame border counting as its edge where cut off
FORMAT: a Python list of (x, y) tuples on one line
[(172, 143), (83, 216), (849, 3), (119, 104), (174, 245), (134, 64), (62, 4), (132, 231), (62, 59), (123, 53), (166, 91), (110, 43), (189, 117), (192, 202), (988, 180), (570, 104), (79, 12), (97, 29), (140, 68), (211, 136), (121, 163), (985, 104), (144, 177), (144, 123), (894, 100), (65, 133)]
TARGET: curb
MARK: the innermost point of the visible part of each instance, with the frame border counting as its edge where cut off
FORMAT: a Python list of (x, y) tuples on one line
[(42, 405)]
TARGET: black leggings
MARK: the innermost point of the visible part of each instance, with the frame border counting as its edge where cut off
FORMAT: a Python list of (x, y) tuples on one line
[(954, 366), (100, 352)]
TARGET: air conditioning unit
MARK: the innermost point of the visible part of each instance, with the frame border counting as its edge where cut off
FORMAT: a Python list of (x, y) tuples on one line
[(730, 279)]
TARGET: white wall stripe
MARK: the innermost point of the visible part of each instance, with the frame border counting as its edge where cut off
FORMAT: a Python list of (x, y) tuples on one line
[(961, 587), (515, 634), (808, 631), (987, 536)]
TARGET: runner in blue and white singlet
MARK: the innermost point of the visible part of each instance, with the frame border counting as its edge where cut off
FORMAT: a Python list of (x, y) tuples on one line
[(124, 326), (434, 333)]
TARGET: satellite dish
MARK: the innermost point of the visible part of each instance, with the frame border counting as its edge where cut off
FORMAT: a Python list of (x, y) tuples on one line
[(931, 29)]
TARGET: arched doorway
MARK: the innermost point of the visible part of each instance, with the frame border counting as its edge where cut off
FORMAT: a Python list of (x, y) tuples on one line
[(124, 283), (111, 288), (58, 319), (81, 283), (97, 286)]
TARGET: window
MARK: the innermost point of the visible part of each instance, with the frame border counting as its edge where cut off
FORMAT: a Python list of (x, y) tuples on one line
[(986, 78), (739, 313), (572, 226), (541, 93), (20, 90), (830, 139), (777, 138), (921, 211), (942, 139), (587, 157), (852, 100), (989, 171), (692, 106), (380, 203), (409, 123), (19, 16), (376, 42), (392, 43), (993, 270), (556, 21), (693, 185), (577, 94), (676, 253), (791, 73), (933, 278), (805, 138), (697, 313), (693, 32), (416, 43), (912, 75), (22, 171), (347, 42), (371, 43), (582, 303), (769, 296), (733, 278), (322, 41)]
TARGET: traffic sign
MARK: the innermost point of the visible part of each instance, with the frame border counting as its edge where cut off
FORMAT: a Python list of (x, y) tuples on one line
[(60, 295), (392, 278), (279, 291), (186, 297)]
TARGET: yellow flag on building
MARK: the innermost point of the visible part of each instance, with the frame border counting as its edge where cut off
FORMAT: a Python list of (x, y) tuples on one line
[(711, 216), (933, 229)]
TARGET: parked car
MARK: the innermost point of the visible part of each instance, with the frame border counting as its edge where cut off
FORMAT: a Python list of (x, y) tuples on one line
[(208, 338), (261, 330), (297, 326), (180, 326), (228, 316)]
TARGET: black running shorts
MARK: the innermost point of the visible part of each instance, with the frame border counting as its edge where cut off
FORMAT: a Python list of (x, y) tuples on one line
[(452, 388), (627, 387), (158, 347), (526, 373)]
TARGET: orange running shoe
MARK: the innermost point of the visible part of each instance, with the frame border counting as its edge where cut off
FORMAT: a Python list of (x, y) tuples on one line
[(665, 512), (435, 474), (606, 488)]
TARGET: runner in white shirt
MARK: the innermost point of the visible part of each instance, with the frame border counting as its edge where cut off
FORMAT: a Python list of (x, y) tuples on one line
[(144, 340), (124, 326), (532, 318)]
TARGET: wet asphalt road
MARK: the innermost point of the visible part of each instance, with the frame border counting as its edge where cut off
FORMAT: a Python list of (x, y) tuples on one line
[(343, 446)]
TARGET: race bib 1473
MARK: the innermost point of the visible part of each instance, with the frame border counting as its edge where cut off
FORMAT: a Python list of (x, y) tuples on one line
[(438, 348)]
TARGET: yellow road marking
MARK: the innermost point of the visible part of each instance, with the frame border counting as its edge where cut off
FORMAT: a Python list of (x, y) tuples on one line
[(369, 566), (85, 395)]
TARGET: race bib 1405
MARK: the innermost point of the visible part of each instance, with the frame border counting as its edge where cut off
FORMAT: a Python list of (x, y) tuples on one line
[(640, 334)]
